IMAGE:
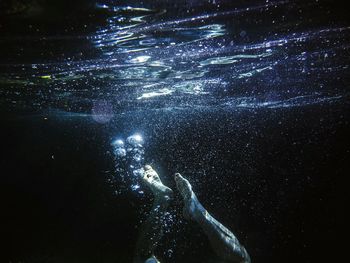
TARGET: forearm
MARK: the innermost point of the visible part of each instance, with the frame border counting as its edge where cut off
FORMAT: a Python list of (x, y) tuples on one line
[(223, 241), (151, 231)]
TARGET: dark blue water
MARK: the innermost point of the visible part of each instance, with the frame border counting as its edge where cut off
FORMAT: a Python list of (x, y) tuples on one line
[(247, 99)]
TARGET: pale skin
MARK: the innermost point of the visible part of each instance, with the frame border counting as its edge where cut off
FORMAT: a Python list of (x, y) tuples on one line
[(152, 230), (223, 241)]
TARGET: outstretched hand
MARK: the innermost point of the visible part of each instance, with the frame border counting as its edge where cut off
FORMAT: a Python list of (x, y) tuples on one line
[(152, 180)]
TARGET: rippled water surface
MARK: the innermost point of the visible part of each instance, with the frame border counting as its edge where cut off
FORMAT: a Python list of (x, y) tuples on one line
[(266, 54), (249, 99)]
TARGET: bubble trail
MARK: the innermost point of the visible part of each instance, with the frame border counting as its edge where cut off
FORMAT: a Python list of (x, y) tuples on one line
[(129, 162), (119, 161), (135, 155)]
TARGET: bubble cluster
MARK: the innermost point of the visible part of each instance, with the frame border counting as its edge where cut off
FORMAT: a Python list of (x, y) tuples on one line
[(129, 162), (119, 148)]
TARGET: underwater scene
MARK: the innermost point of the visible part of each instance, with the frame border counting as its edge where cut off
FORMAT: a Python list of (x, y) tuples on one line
[(212, 131)]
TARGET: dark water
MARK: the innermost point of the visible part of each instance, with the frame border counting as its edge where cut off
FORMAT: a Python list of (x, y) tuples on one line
[(247, 99)]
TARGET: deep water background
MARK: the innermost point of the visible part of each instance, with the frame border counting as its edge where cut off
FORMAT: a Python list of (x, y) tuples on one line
[(270, 164)]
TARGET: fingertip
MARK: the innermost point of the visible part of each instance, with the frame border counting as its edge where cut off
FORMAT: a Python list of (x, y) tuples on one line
[(148, 167)]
